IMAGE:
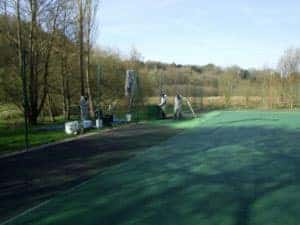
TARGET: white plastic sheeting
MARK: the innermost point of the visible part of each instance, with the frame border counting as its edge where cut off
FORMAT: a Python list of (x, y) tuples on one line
[(128, 117), (99, 123), (72, 127)]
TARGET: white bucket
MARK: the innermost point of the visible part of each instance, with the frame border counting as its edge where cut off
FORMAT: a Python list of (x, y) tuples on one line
[(99, 123), (72, 127), (128, 117)]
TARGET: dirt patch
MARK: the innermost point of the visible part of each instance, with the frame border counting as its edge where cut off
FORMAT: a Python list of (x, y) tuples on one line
[(30, 178)]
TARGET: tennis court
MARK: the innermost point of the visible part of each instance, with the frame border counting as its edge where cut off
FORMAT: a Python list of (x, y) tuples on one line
[(229, 168)]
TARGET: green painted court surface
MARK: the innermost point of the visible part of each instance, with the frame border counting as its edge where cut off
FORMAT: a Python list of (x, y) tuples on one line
[(226, 168)]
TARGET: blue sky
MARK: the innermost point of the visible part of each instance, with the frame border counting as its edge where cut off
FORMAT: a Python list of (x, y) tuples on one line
[(225, 32)]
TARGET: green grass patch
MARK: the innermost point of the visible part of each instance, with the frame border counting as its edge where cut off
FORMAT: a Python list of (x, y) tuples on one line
[(12, 137)]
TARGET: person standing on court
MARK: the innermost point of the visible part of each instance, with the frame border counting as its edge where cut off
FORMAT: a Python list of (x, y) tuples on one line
[(163, 105), (178, 107)]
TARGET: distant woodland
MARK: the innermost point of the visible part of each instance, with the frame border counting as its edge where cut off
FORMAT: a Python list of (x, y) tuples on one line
[(49, 56)]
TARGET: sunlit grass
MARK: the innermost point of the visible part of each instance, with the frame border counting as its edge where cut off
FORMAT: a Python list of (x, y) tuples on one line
[(12, 139)]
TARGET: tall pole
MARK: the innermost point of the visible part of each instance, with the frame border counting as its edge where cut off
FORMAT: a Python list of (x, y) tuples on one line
[(160, 83), (98, 76), (25, 98), (156, 74), (189, 84), (138, 95)]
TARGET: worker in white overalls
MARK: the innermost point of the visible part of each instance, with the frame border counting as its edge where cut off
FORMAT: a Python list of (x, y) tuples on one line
[(178, 107), (84, 108), (130, 87), (163, 104)]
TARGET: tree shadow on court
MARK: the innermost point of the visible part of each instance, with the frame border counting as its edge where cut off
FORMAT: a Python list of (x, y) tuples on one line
[(209, 175), (30, 178)]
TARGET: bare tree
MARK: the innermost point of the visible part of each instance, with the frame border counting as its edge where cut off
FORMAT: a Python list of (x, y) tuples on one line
[(42, 20), (91, 27), (289, 67), (22, 71), (87, 11), (81, 11), (228, 83), (67, 28), (289, 62)]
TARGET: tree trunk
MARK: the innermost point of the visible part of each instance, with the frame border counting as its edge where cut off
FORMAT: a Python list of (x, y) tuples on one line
[(65, 89), (63, 86), (81, 47), (33, 90), (88, 88), (22, 70), (51, 115), (88, 55), (64, 73), (5, 8), (68, 99)]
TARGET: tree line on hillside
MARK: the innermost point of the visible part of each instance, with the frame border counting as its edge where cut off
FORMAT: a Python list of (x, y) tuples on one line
[(41, 39), (47, 53)]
